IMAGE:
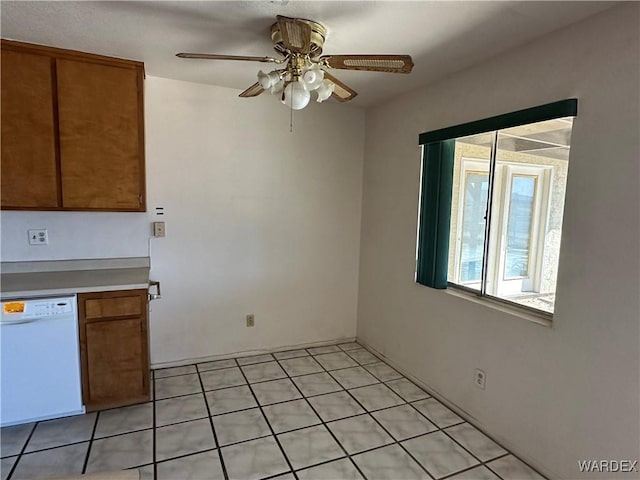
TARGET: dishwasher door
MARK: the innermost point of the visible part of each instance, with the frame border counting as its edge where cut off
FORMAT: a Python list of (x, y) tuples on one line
[(39, 360)]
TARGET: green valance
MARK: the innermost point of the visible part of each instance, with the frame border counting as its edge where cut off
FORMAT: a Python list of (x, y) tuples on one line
[(563, 108)]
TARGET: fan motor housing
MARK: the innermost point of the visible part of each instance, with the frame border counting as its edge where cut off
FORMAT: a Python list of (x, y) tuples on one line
[(318, 35)]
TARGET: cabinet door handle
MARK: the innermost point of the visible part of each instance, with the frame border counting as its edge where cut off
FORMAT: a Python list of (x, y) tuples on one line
[(157, 295), (140, 199)]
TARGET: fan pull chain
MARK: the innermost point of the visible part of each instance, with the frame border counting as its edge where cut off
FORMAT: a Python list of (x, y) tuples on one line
[(291, 118)]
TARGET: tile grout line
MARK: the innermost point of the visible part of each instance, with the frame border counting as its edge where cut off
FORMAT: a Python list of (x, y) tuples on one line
[(213, 429), (263, 381), (99, 438), (181, 422), (236, 411), (292, 430), (399, 442), (323, 423), (517, 458), (439, 429), (273, 433), (405, 402), (458, 472), (54, 447), (93, 434), (181, 456), (481, 462), (369, 413), (154, 424), (443, 430), (24, 447), (484, 463), (395, 442), (328, 372)]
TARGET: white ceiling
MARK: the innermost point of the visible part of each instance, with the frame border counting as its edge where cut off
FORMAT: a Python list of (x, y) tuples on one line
[(442, 36)]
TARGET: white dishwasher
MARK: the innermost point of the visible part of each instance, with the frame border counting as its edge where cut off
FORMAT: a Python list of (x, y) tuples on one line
[(39, 359)]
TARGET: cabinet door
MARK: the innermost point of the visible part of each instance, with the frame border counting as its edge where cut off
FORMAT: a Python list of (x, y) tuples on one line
[(114, 351), (29, 166), (101, 137), (114, 348)]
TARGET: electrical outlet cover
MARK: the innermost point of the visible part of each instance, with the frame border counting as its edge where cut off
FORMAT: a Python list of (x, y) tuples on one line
[(38, 237)]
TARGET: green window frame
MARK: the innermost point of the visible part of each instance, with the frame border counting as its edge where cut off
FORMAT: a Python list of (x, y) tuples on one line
[(437, 182)]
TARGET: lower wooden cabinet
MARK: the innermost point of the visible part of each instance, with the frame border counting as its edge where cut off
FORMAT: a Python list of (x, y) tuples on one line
[(114, 348)]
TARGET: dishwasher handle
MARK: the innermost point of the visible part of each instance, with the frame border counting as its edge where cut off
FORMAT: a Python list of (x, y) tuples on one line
[(21, 321), (157, 295)]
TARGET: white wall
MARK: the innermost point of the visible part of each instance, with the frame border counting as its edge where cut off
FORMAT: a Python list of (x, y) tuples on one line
[(74, 235), (259, 220), (555, 395)]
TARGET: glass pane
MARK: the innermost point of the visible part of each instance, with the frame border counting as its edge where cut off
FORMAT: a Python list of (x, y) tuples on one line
[(519, 227), (469, 205), (527, 209), (473, 220)]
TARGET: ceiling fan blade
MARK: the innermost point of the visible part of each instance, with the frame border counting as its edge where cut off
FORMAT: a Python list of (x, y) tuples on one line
[(211, 56), (253, 91), (370, 63), (296, 34), (341, 93)]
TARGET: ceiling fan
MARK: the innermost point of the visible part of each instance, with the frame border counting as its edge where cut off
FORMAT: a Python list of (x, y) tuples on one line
[(304, 70)]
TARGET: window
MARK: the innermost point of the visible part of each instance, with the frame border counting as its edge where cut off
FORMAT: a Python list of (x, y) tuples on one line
[(492, 202)]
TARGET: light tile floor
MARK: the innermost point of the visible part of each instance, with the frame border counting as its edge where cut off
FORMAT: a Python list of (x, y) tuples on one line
[(334, 412)]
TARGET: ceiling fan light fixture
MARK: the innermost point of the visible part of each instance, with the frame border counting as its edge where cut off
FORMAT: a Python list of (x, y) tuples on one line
[(313, 77), (324, 90), (300, 42), (278, 87), (268, 80), (296, 95)]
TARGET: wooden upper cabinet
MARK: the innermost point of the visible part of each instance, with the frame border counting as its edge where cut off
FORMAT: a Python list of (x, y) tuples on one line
[(29, 165), (72, 130), (100, 138)]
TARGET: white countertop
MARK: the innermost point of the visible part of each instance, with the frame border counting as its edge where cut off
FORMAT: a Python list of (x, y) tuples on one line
[(36, 279)]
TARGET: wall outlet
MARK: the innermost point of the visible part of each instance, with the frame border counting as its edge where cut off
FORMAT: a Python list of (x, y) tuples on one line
[(251, 320), (158, 229), (38, 237), (480, 378)]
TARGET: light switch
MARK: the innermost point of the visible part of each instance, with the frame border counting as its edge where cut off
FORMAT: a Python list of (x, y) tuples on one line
[(158, 229)]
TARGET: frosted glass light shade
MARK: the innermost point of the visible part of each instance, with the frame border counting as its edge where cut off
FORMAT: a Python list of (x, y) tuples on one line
[(325, 90), (268, 80), (277, 87), (296, 96), (313, 77)]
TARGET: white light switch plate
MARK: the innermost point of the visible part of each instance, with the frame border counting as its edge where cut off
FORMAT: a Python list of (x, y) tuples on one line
[(158, 229)]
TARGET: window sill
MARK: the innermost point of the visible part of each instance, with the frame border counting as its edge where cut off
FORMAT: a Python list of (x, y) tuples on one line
[(541, 318)]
